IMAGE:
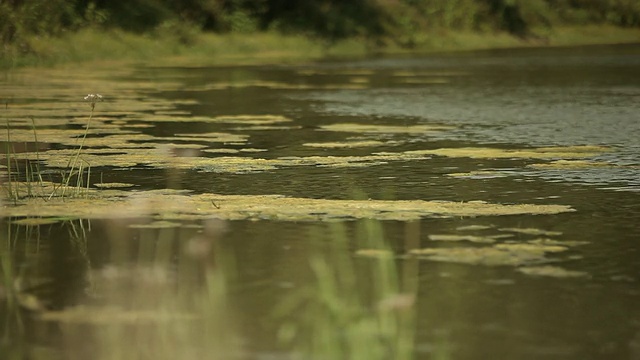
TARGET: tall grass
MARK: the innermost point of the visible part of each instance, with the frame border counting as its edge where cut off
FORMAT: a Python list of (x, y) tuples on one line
[(73, 167), (356, 308), (33, 185)]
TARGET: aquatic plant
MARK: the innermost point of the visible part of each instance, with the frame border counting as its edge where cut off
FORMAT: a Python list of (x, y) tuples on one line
[(335, 318), (75, 166), (71, 165)]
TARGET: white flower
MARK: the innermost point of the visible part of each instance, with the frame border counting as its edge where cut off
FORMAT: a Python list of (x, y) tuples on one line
[(93, 98)]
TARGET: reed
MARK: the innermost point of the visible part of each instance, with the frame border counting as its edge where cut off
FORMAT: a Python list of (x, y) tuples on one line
[(335, 320), (74, 167), (31, 184)]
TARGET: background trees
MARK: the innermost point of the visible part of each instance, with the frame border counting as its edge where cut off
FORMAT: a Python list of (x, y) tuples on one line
[(382, 20)]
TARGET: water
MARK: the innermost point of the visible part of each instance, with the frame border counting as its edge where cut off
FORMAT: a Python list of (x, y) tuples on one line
[(507, 99)]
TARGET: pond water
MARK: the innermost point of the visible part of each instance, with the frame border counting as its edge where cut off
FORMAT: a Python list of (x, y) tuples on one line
[(457, 206)]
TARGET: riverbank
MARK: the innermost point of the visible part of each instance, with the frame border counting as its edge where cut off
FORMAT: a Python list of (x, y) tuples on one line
[(197, 48)]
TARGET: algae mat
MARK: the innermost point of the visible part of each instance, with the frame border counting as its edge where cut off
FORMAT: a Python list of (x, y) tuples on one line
[(171, 204)]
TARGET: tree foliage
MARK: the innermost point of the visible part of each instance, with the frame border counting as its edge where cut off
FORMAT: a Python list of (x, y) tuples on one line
[(328, 19)]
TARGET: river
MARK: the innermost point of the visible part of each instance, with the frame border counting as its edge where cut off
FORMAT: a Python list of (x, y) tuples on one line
[(543, 127)]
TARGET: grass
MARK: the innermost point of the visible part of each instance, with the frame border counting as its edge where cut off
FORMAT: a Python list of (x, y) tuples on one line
[(356, 308), (14, 189), (165, 48)]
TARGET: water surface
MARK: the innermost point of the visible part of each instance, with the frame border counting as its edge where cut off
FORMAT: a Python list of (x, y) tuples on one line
[(444, 308)]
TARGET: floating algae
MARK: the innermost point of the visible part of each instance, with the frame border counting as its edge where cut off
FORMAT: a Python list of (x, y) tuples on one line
[(36, 221), (552, 271), (106, 145), (177, 205), (233, 151), (267, 119), (479, 174), (423, 73), (489, 256), (471, 238), (569, 152), (473, 227), (510, 253), (425, 81), (349, 144), (385, 129), (531, 248), (113, 185), (532, 231), (572, 164)]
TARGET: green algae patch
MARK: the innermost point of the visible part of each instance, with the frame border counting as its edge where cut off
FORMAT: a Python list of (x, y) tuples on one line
[(349, 144), (552, 271), (347, 72), (474, 227), (160, 155), (531, 248), (233, 151), (385, 129), (479, 174), (547, 241), (532, 231), (423, 73), (489, 256), (36, 221), (572, 164), (532, 252), (423, 81), (171, 205), (113, 185), (274, 85), (471, 238), (266, 128), (251, 119), (561, 152)]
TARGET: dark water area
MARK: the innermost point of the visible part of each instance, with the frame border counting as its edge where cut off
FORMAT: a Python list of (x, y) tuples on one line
[(584, 307)]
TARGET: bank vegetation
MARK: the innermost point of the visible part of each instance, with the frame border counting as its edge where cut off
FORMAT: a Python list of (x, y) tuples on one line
[(54, 31)]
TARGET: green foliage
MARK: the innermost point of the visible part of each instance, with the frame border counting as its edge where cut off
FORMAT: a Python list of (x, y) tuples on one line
[(404, 22), (240, 21)]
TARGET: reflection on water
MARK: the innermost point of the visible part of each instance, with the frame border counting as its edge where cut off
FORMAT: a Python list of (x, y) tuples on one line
[(436, 286)]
